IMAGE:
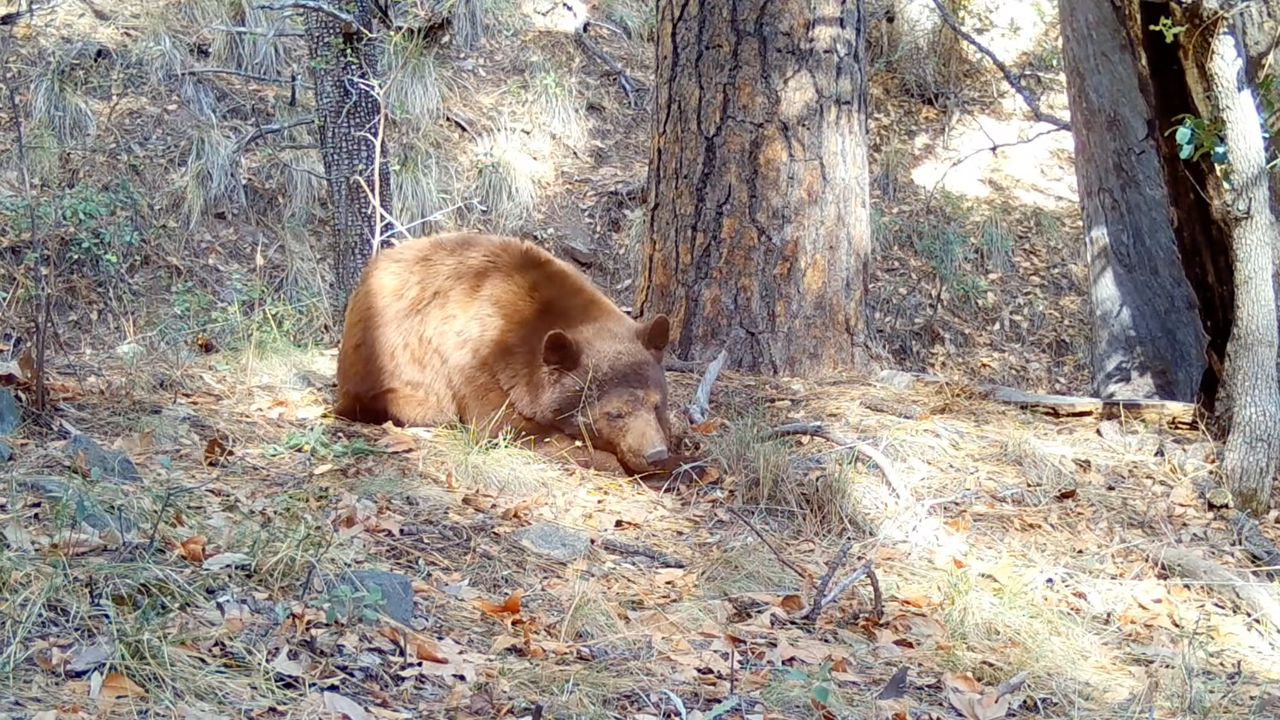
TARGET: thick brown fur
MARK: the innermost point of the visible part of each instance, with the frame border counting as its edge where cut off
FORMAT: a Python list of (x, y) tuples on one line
[(496, 332)]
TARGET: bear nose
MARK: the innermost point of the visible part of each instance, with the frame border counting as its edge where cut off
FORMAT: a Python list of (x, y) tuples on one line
[(656, 455)]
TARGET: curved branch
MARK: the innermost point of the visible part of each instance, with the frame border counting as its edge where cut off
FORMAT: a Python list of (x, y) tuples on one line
[(1009, 76)]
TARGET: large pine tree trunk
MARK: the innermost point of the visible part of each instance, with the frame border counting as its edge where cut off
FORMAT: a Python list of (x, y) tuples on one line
[(344, 68), (1148, 341), (759, 237), (1253, 446)]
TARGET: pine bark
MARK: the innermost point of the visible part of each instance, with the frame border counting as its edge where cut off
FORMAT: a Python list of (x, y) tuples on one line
[(1148, 341), (759, 233), (344, 70)]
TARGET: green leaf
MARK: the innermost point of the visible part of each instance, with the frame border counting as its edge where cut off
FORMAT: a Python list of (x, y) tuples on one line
[(1185, 151), (1183, 135)]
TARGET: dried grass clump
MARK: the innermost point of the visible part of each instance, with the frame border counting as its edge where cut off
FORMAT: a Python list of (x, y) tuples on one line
[(494, 464), (508, 181), (556, 105), (412, 89), (637, 19), (161, 51), (423, 187), (928, 61), (260, 51), (57, 103), (211, 178)]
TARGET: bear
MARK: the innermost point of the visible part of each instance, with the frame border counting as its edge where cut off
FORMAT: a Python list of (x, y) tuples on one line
[(496, 332)]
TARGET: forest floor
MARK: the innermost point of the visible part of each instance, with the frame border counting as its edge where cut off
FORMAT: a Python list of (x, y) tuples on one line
[(178, 544), (204, 575)]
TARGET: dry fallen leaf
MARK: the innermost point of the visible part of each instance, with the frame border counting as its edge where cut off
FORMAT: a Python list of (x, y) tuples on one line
[(333, 702), (967, 695), (192, 549), (510, 606), (215, 452), (116, 686)]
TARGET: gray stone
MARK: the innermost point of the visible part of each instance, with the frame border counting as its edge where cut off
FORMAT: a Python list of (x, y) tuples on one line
[(6, 453), (91, 459), (87, 508), (397, 591), (10, 414), (554, 542)]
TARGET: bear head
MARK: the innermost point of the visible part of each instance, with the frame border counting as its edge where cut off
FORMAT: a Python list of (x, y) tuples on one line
[(605, 386)]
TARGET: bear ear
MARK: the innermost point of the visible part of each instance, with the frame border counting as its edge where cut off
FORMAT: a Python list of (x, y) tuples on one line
[(560, 351), (656, 333)]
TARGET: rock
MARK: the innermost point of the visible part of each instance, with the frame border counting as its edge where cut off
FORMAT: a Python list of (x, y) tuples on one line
[(91, 459), (87, 509), (396, 589), (6, 453), (1219, 499), (553, 541), (10, 414)]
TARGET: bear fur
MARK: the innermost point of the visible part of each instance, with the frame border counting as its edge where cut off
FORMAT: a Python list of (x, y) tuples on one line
[(496, 332)]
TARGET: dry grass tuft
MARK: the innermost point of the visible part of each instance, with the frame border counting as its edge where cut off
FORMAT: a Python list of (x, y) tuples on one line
[(413, 91), (211, 178), (493, 464), (258, 52), (556, 105), (635, 18), (509, 181), (57, 103), (423, 187)]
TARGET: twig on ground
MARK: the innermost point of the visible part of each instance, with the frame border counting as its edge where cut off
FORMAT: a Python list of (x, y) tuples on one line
[(819, 430), (628, 85), (843, 585), (264, 130), (675, 364), (960, 161), (1262, 550), (43, 313), (1032, 103), (804, 576), (700, 406), (1256, 598), (237, 73), (836, 563), (272, 33), (314, 6), (626, 548)]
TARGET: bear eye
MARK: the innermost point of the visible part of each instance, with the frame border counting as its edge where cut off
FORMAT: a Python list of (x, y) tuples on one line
[(616, 415)]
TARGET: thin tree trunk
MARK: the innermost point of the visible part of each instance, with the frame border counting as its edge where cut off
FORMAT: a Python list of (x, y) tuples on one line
[(1253, 446), (758, 218), (344, 68), (1148, 341)]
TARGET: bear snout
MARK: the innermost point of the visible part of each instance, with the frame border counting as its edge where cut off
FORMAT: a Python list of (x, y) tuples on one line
[(657, 455)]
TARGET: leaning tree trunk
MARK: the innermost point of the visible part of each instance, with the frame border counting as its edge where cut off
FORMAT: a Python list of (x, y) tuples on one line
[(1148, 341), (758, 219), (1253, 445), (349, 121)]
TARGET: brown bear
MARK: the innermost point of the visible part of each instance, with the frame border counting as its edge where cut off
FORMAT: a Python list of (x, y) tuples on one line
[(498, 333)]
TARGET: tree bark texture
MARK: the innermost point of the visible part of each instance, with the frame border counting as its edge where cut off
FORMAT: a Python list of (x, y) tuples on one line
[(1253, 445), (1148, 341), (759, 232), (344, 69)]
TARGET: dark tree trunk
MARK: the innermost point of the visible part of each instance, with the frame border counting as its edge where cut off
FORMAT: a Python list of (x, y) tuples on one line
[(1147, 336), (344, 68), (759, 233)]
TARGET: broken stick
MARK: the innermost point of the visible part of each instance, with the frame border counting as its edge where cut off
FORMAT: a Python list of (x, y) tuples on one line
[(700, 407), (819, 430)]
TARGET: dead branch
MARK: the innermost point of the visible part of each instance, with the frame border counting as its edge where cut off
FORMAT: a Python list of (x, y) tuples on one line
[(700, 406), (269, 34), (626, 548), (624, 80), (37, 245), (844, 585), (237, 73), (1014, 82), (675, 364), (819, 430), (776, 552), (962, 160), (836, 563), (314, 6), (1255, 597), (264, 130), (1174, 413)]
